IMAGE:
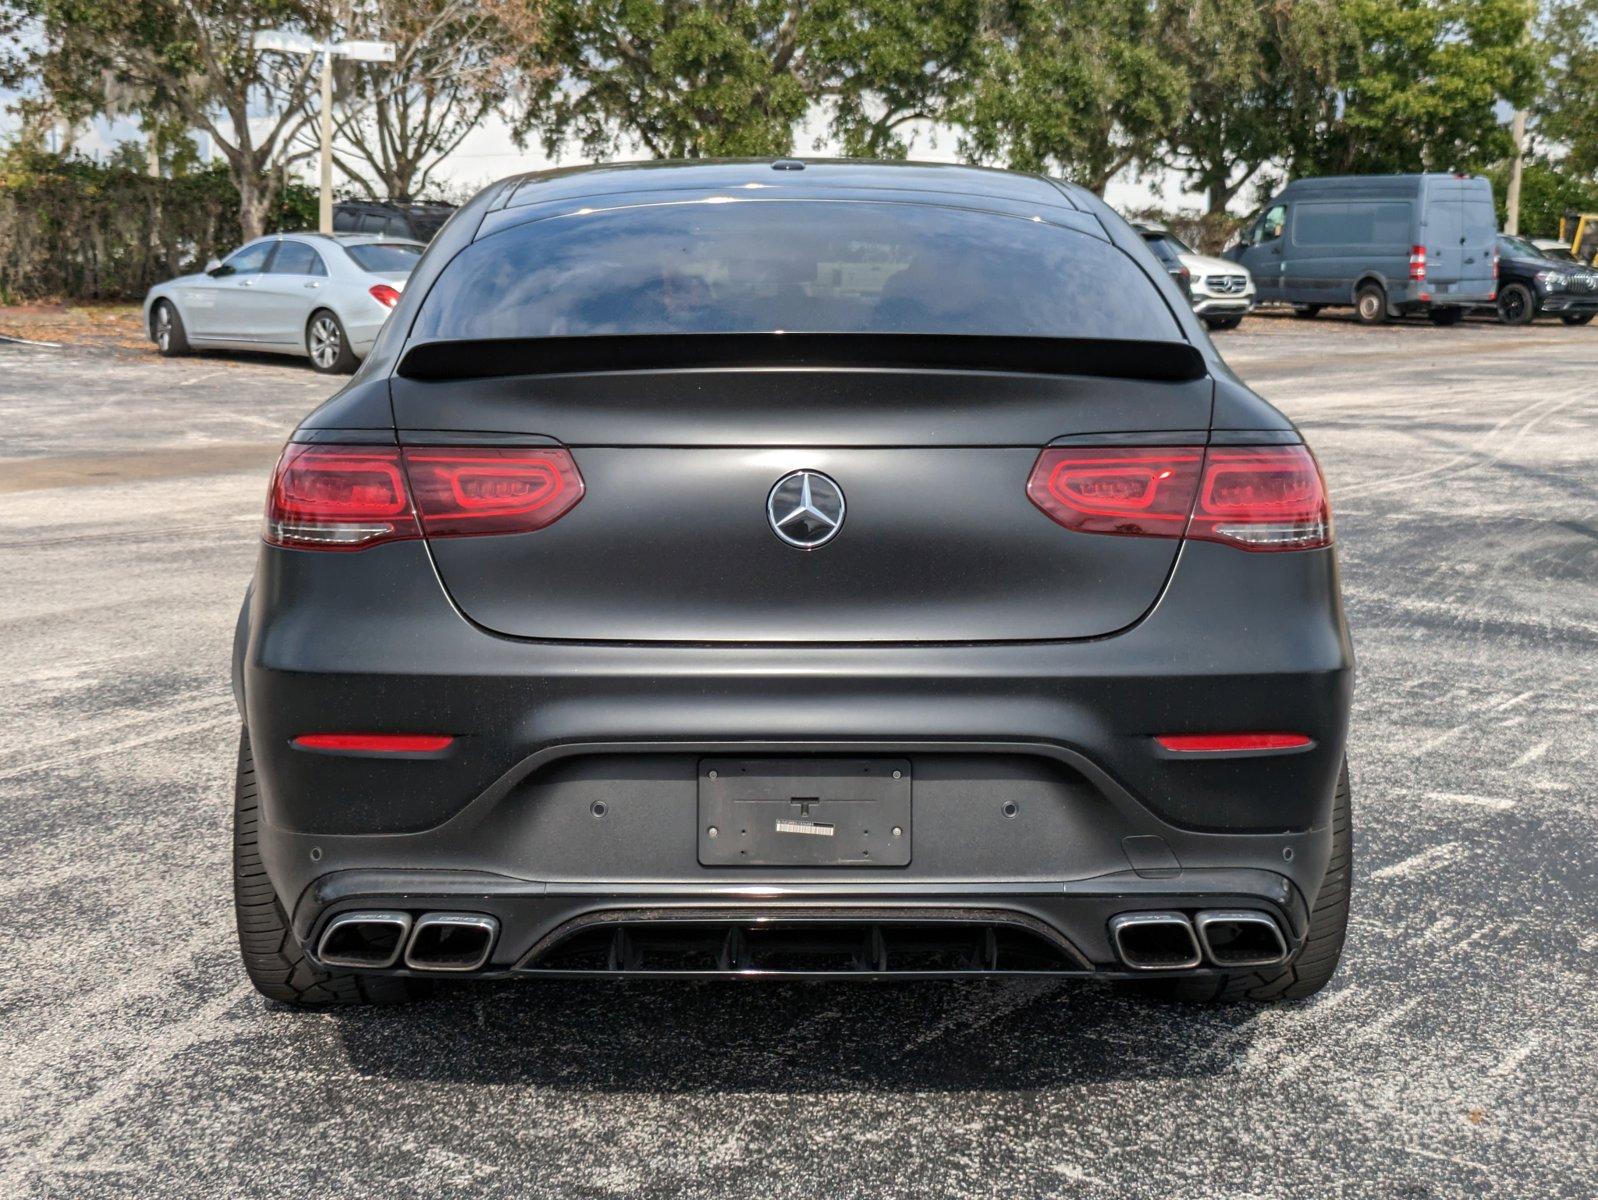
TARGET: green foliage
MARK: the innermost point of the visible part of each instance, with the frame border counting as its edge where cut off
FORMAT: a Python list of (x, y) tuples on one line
[(1080, 88), (1419, 90), (692, 79), (881, 64), (186, 64), (1256, 70), (683, 79), (1567, 110), (1547, 192), (74, 229)]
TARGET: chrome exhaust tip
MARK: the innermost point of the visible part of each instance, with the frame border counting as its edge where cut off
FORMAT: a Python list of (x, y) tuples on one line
[(1241, 939), (1155, 941), (367, 941), (445, 941)]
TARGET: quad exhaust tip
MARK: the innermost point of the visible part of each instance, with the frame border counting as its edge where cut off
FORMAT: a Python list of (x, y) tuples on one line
[(376, 941), (451, 942), (1170, 941), (1155, 941), (369, 941), (1241, 939)]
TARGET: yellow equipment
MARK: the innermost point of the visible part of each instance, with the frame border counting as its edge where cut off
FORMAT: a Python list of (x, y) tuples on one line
[(1579, 231)]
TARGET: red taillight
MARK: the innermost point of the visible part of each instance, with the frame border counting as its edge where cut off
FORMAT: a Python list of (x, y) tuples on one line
[(376, 743), (331, 497), (1495, 262), (1262, 498), (1417, 262), (1220, 743), (489, 490), (1103, 489), (328, 497), (1253, 497), (386, 296)]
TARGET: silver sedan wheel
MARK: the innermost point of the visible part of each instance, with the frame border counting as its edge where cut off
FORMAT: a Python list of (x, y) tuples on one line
[(163, 327), (327, 342)]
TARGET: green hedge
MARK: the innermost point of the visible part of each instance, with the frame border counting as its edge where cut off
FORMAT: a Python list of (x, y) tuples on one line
[(71, 229)]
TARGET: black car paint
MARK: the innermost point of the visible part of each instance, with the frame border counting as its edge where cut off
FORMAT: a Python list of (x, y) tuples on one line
[(1517, 266), (599, 698)]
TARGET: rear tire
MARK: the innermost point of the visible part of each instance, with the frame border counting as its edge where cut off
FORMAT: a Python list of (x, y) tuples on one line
[(1370, 304), (328, 345), (1446, 316), (1323, 948), (273, 958), (1306, 311), (166, 330), (1577, 318), (1516, 305), (1223, 322)]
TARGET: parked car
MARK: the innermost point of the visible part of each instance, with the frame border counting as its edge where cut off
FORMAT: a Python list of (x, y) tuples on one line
[(575, 661), (1386, 244), (1530, 284), (417, 222), (1164, 249), (302, 293), (1221, 291), (1553, 248)]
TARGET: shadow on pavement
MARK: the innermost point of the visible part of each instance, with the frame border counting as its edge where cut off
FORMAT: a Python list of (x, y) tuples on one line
[(687, 1037)]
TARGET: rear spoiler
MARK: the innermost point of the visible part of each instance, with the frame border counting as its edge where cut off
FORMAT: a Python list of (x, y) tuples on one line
[(1116, 358)]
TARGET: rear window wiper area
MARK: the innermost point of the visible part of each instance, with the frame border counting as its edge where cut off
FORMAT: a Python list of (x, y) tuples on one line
[(1115, 358)]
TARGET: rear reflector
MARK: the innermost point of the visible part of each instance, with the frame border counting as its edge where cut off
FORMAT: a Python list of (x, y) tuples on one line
[(375, 743), (1215, 743), (331, 497), (1252, 497)]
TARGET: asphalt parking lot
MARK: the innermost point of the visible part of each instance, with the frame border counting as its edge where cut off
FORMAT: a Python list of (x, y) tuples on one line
[(1456, 1053)]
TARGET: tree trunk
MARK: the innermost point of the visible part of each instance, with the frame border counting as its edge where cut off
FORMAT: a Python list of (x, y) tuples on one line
[(255, 202)]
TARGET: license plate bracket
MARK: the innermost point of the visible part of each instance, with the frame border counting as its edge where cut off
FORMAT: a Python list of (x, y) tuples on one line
[(804, 812)]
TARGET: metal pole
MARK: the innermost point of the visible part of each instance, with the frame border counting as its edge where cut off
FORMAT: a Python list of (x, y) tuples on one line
[(325, 211), (1517, 134)]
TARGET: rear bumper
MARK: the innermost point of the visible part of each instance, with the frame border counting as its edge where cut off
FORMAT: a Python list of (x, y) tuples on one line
[(565, 929), (571, 788)]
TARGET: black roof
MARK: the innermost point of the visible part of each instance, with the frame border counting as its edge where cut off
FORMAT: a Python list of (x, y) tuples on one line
[(793, 175)]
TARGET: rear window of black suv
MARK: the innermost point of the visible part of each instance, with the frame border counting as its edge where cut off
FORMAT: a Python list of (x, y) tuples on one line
[(800, 266)]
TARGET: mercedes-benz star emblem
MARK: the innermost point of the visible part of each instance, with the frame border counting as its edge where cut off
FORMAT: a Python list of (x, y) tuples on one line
[(805, 509)]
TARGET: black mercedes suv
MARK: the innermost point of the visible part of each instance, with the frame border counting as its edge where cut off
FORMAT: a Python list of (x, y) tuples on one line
[(1530, 284), (793, 568)]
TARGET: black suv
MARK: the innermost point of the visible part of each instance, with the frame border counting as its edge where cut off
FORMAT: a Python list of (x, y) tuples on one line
[(1530, 284), (1158, 242), (417, 221), (567, 656)]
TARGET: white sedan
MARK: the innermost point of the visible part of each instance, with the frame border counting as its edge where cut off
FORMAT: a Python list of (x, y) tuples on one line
[(323, 296)]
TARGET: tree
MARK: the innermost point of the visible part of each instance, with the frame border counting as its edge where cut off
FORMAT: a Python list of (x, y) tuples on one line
[(1082, 88), (396, 122), (1255, 69), (1421, 88), (1547, 192), (882, 66), (681, 78), (1567, 110), (698, 78), (190, 63)]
